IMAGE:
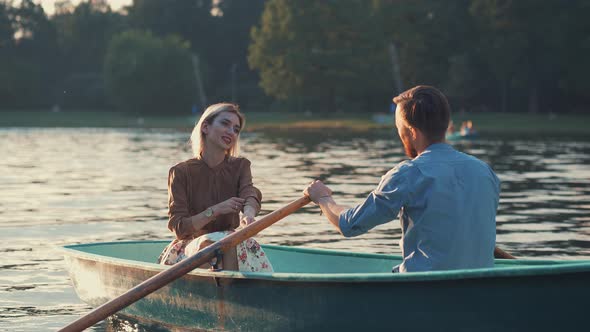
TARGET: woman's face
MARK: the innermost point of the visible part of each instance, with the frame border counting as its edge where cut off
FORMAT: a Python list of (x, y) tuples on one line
[(223, 132)]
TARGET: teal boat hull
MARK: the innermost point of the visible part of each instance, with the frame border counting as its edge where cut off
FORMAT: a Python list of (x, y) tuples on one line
[(314, 289)]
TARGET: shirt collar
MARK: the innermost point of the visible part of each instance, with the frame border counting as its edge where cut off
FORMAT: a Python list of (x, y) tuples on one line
[(436, 147)]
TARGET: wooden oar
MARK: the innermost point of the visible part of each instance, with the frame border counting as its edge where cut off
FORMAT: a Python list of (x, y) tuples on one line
[(178, 270), (499, 253)]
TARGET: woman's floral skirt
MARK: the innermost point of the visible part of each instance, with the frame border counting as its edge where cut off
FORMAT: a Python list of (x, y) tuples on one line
[(251, 257)]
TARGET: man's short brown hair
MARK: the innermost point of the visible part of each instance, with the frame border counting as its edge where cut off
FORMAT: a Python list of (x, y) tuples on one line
[(426, 108)]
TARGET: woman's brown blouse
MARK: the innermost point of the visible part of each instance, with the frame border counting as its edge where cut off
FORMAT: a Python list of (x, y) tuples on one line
[(193, 187)]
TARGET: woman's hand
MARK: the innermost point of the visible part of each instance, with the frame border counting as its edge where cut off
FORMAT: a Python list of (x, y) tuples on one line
[(232, 205)]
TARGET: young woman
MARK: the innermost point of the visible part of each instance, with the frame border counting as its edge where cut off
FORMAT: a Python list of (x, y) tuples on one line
[(207, 193)]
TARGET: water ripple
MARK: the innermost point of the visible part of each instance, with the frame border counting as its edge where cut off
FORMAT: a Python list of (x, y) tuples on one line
[(64, 186)]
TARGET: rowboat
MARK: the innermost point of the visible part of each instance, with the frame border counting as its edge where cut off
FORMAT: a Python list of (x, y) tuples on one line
[(317, 289)]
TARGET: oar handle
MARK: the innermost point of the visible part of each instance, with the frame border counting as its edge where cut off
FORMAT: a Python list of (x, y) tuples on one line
[(178, 270)]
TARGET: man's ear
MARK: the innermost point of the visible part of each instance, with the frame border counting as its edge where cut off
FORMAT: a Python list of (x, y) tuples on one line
[(414, 132)]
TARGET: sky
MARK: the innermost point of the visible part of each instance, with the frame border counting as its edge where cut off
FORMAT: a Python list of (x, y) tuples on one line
[(115, 4)]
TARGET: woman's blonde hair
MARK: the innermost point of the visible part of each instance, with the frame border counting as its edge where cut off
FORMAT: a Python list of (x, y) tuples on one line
[(198, 138)]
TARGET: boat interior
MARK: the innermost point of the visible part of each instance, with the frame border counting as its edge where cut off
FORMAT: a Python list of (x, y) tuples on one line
[(284, 259)]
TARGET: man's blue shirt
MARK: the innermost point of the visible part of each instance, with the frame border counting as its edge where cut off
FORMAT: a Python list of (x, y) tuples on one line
[(446, 201)]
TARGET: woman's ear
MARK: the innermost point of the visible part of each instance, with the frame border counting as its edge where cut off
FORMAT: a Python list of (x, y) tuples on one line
[(205, 128)]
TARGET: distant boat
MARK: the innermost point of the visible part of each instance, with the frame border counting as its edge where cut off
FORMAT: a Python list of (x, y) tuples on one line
[(457, 136), (326, 290)]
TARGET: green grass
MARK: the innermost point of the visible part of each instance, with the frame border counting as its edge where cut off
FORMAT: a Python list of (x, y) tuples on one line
[(90, 119), (485, 123), (254, 121), (524, 123)]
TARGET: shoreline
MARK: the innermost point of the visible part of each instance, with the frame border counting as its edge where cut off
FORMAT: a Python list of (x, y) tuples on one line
[(484, 123)]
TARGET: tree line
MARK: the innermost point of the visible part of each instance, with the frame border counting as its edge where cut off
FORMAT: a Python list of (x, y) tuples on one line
[(177, 56)]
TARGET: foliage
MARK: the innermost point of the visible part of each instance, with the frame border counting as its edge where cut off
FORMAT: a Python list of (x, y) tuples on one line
[(320, 52), (218, 34), (6, 28), (84, 34), (352, 55), (146, 74), (29, 53), (228, 70), (501, 54)]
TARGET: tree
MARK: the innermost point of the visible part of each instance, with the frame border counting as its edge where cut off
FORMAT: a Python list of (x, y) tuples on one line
[(146, 74), (28, 42), (525, 44), (190, 19), (435, 42), (7, 93), (323, 53), (573, 81), (84, 33), (6, 28), (218, 33), (229, 74)]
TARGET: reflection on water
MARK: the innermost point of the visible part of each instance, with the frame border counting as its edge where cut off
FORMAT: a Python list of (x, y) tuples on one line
[(64, 186)]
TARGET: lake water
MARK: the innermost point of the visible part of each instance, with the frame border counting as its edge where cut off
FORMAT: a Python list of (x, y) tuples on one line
[(66, 186)]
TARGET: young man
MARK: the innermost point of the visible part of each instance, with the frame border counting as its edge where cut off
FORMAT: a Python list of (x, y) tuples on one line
[(446, 200)]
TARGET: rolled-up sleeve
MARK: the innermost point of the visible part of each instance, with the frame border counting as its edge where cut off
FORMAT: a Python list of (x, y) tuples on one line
[(246, 189), (381, 206), (179, 218)]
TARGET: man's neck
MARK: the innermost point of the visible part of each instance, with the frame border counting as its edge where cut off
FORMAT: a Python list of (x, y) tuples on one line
[(423, 144)]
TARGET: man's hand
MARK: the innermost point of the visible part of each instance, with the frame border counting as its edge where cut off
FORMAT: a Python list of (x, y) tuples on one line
[(320, 194), (316, 190)]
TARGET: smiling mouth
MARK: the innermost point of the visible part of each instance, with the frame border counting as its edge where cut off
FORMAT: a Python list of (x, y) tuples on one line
[(227, 140)]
